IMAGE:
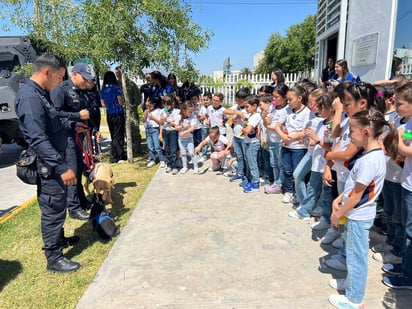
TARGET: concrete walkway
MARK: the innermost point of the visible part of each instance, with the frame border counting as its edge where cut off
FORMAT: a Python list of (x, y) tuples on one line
[(198, 241), (14, 194)]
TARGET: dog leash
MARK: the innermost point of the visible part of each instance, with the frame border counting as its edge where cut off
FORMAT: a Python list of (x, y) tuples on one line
[(86, 148)]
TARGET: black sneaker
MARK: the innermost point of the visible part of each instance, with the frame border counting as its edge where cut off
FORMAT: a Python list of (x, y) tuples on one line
[(398, 283), (63, 265), (80, 214), (392, 269)]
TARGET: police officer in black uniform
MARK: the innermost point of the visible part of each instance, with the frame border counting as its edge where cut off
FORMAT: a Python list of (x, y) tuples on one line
[(70, 100), (46, 135)]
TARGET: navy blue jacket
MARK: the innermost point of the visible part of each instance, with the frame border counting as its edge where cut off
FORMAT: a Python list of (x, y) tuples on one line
[(69, 101), (41, 126)]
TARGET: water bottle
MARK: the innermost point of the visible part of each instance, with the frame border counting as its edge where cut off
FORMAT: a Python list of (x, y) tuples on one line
[(407, 137), (328, 133)]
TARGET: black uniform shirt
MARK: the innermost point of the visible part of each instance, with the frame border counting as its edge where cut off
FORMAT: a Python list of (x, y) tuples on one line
[(69, 101), (41, 125)]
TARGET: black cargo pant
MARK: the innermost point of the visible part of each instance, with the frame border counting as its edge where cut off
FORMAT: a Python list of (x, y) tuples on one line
[(51, 196), (116, 123), (76, 199)]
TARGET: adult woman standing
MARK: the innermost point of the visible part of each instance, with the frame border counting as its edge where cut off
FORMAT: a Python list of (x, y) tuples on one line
[(112, 98), (277, 78)]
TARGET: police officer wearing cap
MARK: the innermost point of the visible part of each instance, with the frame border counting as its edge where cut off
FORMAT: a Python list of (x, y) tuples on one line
[(69, 99), (46, 135)]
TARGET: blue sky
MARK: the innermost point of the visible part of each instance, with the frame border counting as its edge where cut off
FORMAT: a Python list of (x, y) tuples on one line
[(243, 28)]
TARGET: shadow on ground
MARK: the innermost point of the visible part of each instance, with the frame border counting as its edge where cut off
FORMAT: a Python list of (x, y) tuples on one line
[(9, 271)]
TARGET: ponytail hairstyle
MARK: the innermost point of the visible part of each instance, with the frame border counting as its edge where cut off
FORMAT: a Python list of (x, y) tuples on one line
[(282, 89), (376, 120), (300, 92), (365, 91), (384, 92), (184, 107), (339, 90)]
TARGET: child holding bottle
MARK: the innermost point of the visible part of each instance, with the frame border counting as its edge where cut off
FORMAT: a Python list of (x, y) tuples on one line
[(291, 131), (357, 204)]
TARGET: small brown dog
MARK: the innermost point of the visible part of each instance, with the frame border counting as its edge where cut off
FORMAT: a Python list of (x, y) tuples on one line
[(102, 179)]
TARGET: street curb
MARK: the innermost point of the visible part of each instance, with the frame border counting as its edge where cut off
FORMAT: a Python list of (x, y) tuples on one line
[(16, 210)]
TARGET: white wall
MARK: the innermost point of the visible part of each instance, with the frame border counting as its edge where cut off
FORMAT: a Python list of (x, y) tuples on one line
[(367, 17)]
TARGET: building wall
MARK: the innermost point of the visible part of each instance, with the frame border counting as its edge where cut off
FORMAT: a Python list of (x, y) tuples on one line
[(365, 18), (353, 21)]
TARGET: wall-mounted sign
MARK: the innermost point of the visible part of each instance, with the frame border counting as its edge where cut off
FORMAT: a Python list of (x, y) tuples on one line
[(364, 50)]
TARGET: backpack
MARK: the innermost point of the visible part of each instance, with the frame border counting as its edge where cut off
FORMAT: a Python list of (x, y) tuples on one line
[(102, 221)]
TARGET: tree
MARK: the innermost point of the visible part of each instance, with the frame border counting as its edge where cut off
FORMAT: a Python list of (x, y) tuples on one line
[(245, 71), (134, 34), (293, 53), (187, 72)]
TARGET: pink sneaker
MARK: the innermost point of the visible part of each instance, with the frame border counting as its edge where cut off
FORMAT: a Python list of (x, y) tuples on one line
[(273, 189)]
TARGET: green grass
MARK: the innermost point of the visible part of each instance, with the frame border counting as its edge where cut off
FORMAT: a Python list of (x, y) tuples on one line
[(24, 280)]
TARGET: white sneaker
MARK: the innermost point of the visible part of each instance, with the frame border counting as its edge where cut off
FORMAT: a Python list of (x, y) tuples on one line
[(174, 171), (341, 301), (150, 164), (168, 170), (387, 258), (214, 168), (338, 243), (322, 224), (330, 236), (295, 215), (338, 284), (162, 164), (287, 197), (382, 247), (196, 171), (337, 262), (317, 211), (183, 171)]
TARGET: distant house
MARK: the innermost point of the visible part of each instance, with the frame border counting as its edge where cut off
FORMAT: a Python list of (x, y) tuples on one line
[(365, 33)]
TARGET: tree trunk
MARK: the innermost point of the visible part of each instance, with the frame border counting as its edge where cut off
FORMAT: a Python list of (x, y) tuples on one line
[(129, 143)]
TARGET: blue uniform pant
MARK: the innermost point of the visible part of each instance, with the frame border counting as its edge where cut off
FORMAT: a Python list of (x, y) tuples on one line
[(51, 196), (76, 199), (170, 139)]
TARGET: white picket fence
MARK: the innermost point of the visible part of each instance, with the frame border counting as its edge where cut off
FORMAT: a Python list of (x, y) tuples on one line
[(406, 70), (231, 83)]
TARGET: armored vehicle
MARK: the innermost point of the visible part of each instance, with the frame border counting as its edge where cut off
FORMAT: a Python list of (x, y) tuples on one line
[(15, 51)]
